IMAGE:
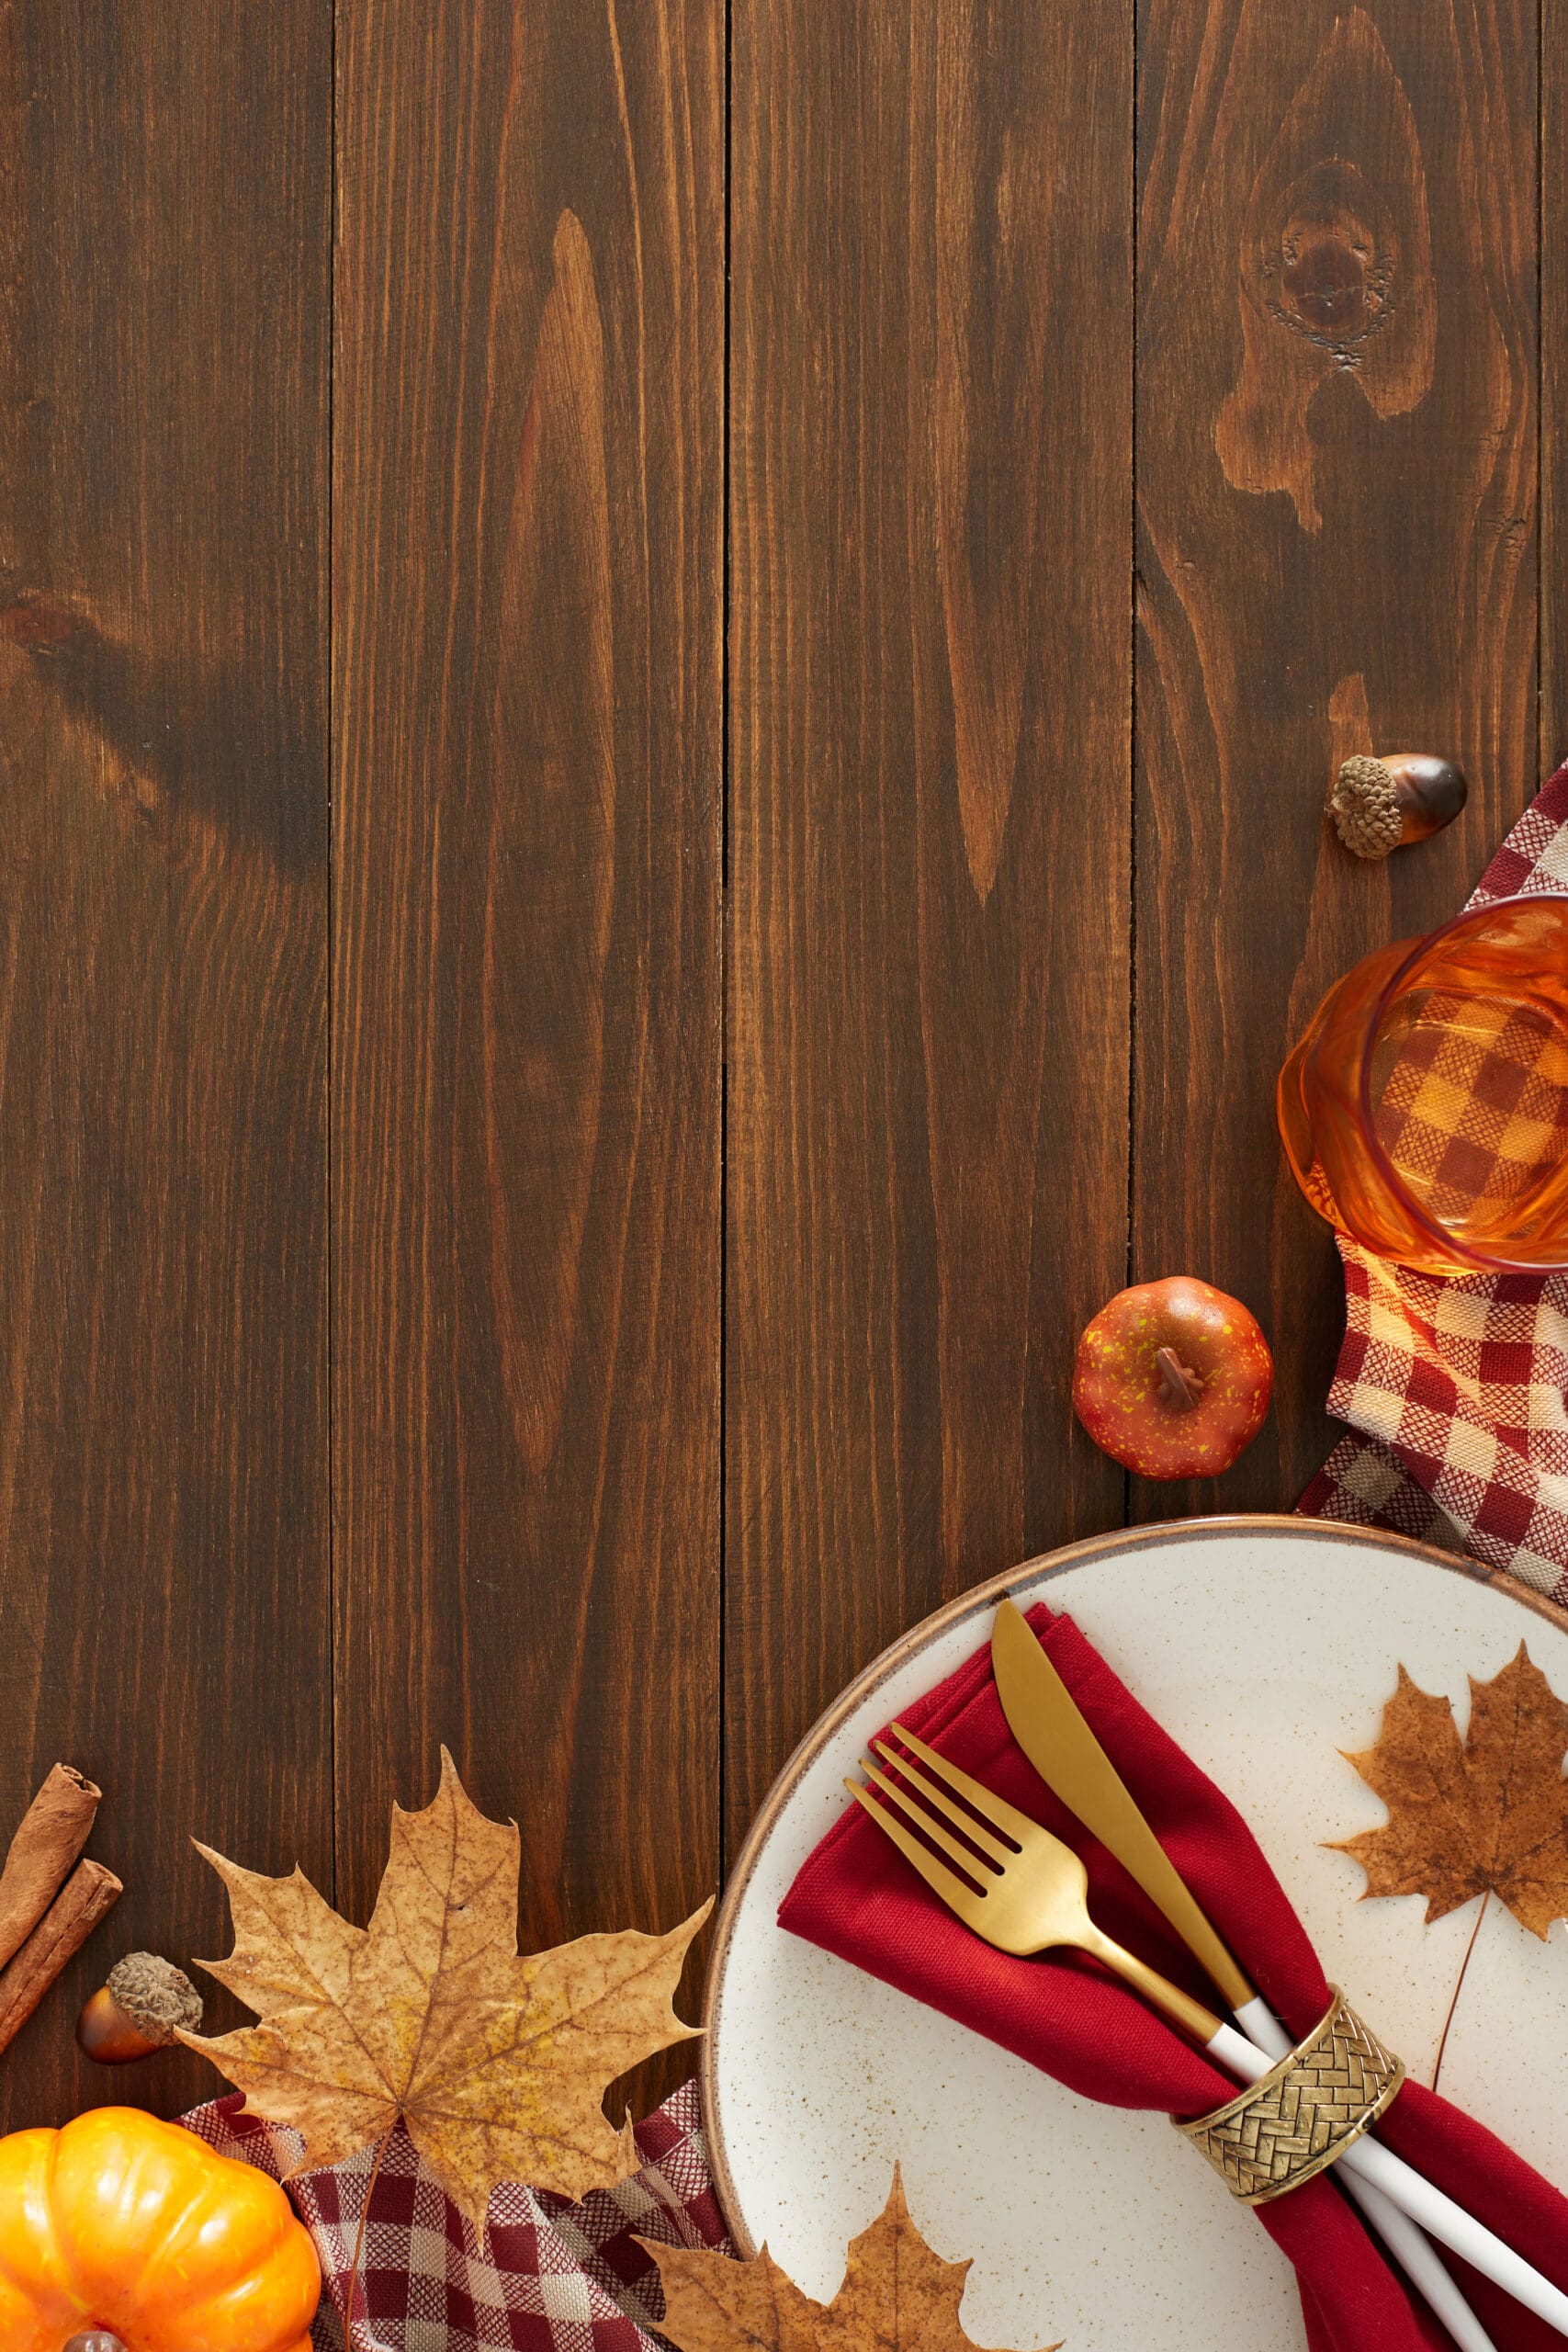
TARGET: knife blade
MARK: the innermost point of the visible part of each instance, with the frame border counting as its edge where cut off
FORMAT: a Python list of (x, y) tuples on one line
[(1044, 1719)]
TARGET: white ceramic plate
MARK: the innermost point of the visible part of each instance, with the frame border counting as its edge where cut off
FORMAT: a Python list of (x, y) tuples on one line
[(1265, 1647)]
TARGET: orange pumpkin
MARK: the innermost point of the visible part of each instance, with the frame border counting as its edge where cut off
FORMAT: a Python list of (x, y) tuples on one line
[(122, 2224)]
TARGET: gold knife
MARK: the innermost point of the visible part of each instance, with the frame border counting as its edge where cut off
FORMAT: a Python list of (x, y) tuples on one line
[(1045, 1720)]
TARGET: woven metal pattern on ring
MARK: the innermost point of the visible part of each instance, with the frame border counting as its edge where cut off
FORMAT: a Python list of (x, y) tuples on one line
[(1304, 2112)]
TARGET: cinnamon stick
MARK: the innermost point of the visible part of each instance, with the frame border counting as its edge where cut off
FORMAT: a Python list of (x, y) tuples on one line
[(86, 1896), (54, 1829)]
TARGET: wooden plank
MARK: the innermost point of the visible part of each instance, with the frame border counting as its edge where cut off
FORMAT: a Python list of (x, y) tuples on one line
[(1335, 466), (1553, 400), (527, 1041), (929, 697), (163, 1574)]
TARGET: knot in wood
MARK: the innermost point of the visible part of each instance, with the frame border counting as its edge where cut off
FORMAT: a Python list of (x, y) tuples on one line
[(1324, 281)]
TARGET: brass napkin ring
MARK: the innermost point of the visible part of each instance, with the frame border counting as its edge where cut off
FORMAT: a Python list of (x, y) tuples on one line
[(1304, 2112)]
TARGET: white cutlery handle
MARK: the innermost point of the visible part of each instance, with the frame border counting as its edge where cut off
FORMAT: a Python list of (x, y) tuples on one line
[(1418, 2256), (1442, 2219), (1437, 2214), (1410, 2247)]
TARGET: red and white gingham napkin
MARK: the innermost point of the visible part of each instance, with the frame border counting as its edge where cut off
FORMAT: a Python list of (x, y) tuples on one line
[(1456, 1387), (551, 2275)]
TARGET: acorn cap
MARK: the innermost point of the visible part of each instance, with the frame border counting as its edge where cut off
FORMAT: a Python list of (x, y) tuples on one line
[(1365, 806), (157, 1996)]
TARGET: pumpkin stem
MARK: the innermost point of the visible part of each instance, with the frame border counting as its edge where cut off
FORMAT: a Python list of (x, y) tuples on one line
[(96, 2339)]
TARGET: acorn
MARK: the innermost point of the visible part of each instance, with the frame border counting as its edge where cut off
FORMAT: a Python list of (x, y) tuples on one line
[(143, 2007), (1380, 805)]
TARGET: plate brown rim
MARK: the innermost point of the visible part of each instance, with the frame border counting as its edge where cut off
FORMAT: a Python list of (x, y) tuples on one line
[(979, 1598)]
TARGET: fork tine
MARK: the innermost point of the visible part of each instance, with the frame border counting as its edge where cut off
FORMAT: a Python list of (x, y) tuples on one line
[(933, 1829), (954, 1893), (936, 1794), (990, 1807)]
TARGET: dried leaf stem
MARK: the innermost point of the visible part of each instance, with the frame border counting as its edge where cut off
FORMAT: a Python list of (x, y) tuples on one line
[(1464, 1965)]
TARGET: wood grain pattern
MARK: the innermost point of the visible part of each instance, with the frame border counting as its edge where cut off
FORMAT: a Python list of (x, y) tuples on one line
[(1024, 828), (930, 709), (1553, 544), (1335, 268), (526, 1060), (1336, 375), (164, 342)]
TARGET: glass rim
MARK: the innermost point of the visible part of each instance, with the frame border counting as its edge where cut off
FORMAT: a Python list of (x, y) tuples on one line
[(1469, 918)]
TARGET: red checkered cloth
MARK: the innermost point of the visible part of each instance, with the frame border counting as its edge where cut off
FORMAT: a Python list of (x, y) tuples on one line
[(551, 2275), (1456, 1387)]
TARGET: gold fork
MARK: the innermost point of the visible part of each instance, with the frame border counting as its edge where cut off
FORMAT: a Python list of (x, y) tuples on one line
[(1024, 1890)]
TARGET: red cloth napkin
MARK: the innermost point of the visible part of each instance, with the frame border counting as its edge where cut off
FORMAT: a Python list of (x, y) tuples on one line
[(857, 1896), (1457, 1387)]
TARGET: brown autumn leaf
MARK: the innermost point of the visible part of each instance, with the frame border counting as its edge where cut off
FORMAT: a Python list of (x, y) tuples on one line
[(498, 2066), (1489, 1813), (897, 2295)]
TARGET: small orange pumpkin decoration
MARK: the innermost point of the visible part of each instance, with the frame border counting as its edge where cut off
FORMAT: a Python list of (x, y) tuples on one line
[(121, 2226)]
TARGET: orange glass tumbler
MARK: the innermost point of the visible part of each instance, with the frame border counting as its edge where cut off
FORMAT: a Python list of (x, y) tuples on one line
[(1424, 1112)]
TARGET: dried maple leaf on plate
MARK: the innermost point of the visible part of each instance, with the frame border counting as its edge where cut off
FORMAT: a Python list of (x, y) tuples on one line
[(498, 2066), (897, 2296), (1487, 1814)]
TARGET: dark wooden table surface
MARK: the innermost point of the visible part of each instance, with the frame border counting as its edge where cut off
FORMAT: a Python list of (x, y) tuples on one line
[(667, 673)]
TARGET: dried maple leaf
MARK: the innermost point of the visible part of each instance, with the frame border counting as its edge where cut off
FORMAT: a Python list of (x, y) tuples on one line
[(897, 2296), (498, 2066), (1489, 1813)]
